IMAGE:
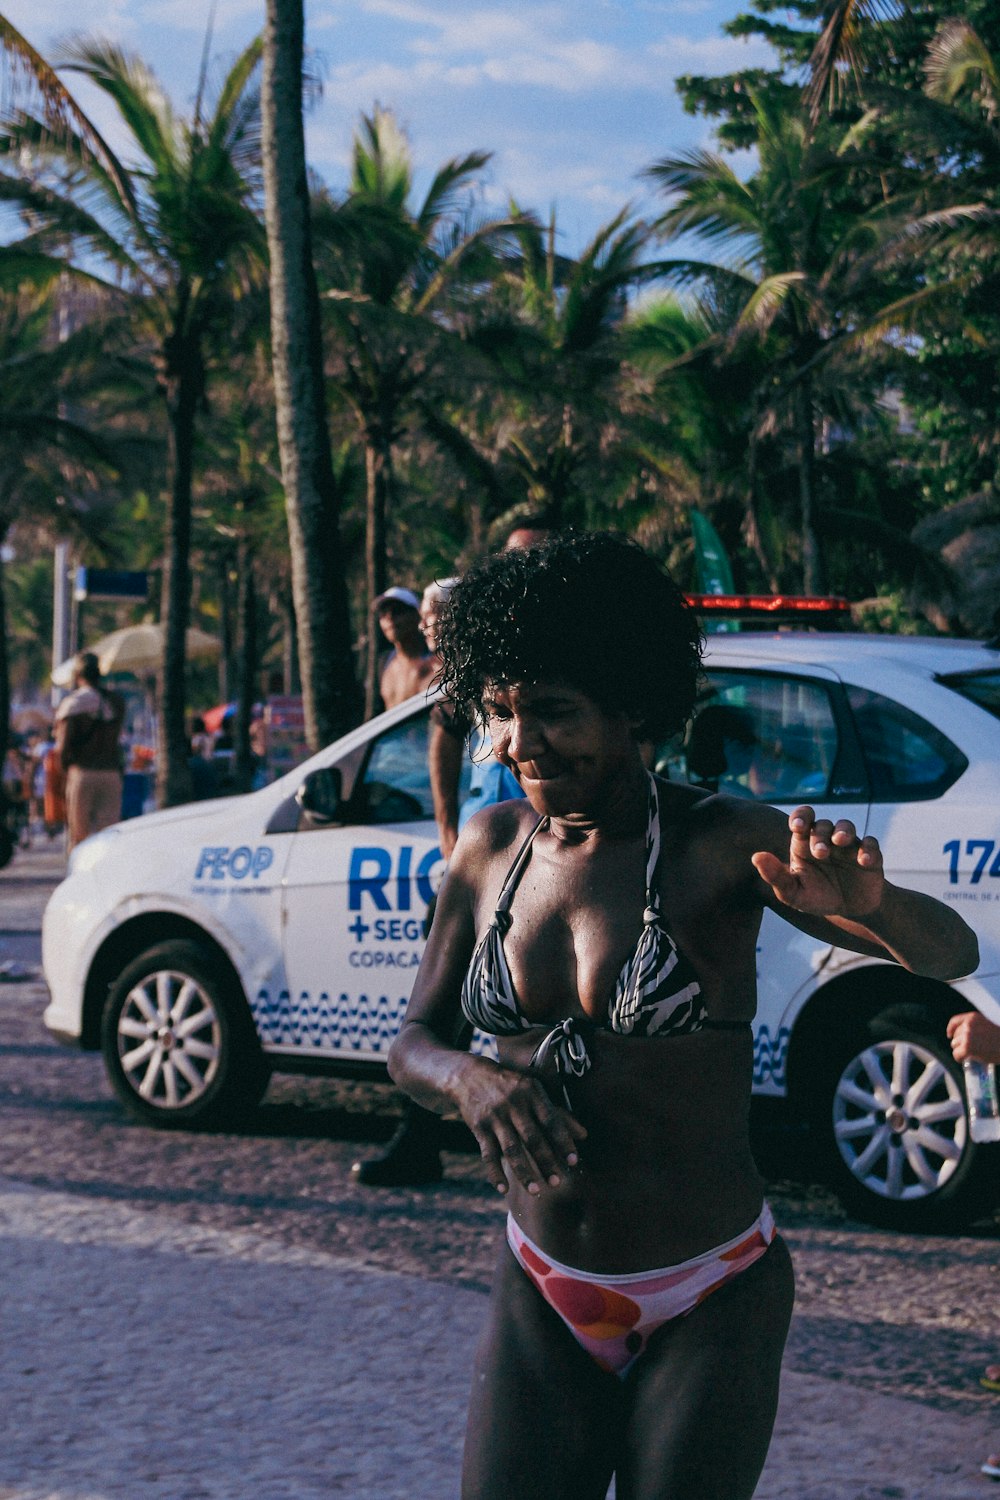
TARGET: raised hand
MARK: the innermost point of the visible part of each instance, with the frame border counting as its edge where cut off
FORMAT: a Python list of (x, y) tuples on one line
[(830, 871)]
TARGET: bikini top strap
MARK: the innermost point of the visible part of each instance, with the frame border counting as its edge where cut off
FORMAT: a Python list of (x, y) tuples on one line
[(652, 853), (515, 872)]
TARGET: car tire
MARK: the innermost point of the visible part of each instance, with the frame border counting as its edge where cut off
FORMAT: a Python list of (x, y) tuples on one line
[(895, 1129), (178, 1041)]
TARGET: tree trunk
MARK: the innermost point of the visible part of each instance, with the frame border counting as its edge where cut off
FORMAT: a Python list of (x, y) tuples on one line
[(173, 778), (812, 562), (246, 663), (4, 661), (225, 628), (329, 689), (752, 530), (378, 475), (289, 653)]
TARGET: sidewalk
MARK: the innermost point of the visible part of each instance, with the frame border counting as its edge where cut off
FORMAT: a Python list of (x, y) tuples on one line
[(181, 1363), (146, 1356)]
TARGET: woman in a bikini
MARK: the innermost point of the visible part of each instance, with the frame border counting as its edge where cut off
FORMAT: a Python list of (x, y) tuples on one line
[(604, 931)]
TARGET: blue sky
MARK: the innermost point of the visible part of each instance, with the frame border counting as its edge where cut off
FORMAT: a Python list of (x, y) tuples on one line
[(573, 97)]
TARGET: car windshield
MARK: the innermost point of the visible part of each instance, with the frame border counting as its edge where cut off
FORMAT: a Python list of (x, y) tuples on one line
[(982, 687)]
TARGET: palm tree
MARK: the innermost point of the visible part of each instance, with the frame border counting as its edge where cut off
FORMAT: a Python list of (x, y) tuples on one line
[(566, 432), (176, 236), (707, 396), (45, 454), (311, 493), (799, 280), (393, 273)]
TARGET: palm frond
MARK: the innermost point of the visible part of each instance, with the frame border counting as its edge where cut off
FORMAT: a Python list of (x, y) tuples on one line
[(714, 202), (451, 185), (57, 219), (844, 47), (62, 116), (684, 271), (768, 299), (492, 232), (958, 61), (136, 92), (381, 161)]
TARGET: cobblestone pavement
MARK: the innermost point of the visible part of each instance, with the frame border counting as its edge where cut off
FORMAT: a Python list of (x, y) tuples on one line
[(227, 1316)]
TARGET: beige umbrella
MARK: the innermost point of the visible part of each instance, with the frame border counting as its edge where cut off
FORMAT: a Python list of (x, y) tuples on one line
[(138, 649)]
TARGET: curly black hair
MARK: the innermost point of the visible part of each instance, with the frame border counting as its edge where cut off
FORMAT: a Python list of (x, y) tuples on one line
[(590, 609)]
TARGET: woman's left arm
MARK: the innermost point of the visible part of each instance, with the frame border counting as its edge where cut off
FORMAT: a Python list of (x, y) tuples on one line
[(831, 884)]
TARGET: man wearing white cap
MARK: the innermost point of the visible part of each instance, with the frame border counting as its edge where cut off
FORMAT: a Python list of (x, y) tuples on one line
[(409, 666)]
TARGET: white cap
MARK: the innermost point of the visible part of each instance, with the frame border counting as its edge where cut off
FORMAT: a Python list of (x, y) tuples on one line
[(403, 596)]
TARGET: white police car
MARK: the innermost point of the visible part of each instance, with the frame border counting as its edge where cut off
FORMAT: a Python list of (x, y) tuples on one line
[(204, 946)]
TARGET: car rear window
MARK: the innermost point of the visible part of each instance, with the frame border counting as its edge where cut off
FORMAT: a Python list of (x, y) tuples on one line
[(908, 759), (979, 687)]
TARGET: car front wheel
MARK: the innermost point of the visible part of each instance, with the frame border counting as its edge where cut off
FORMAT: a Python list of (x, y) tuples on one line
[(178, 1042), (898, 1132)]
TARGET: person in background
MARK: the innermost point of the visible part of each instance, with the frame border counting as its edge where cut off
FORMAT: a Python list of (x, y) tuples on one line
[(975, 1039), (258, 748), (88, 729), (413, 1154), (44, 742), (408, 667), (55, 787), (204, 780), (14, 772), (202, 743)]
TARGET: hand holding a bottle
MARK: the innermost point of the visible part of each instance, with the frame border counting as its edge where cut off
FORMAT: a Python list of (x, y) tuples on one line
[(974, 1038)]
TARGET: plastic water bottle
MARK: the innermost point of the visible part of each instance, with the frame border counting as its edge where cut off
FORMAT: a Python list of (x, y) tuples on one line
[(984, 1106)]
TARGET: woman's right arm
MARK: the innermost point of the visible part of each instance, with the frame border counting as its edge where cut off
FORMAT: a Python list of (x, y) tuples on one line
[(517, 1125)]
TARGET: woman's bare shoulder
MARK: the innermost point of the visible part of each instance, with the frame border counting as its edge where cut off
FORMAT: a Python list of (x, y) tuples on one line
[(702, 810), (713, 831), (495, 831)]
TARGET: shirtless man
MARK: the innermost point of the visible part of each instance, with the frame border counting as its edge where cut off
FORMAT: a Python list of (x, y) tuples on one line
[(409, 667)]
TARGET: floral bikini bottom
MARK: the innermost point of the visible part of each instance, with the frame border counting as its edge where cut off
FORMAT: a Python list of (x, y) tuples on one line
[(614, 1317)]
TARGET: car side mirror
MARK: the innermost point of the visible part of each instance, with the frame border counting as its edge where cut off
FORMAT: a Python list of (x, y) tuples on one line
[(320, 795)]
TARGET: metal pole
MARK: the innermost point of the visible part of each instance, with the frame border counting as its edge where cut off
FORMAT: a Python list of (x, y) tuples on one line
[(62, 610)]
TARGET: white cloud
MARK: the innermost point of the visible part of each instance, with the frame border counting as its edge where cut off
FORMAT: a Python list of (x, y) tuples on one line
[(546, 47), (675, 7), (713, 53), (508, 47), (43, 24), (463, 29)]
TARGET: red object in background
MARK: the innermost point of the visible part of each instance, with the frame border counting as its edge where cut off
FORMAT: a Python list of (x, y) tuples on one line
[(213, 718)]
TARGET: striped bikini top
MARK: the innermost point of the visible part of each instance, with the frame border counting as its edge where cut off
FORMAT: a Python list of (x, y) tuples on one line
[(656, 993)]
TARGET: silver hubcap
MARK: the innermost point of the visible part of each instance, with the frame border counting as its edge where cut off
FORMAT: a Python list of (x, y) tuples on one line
[(899, 1120), (169, 1040)]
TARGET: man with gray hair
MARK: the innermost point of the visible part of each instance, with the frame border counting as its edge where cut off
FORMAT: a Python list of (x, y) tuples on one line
[(88, 729)]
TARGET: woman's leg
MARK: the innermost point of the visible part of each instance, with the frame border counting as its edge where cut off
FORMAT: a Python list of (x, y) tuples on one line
[(703, 1396), (544, 1420)]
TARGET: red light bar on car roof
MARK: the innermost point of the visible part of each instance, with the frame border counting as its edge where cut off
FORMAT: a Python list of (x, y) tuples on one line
[(768, 604)]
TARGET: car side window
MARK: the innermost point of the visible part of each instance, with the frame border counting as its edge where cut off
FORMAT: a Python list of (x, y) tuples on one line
[(908, 759), (396, 784), (759, 735)]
